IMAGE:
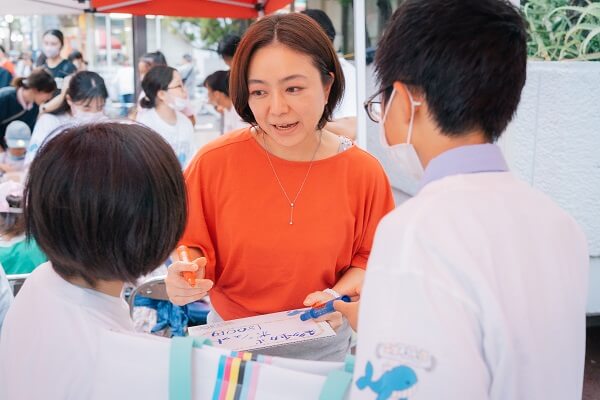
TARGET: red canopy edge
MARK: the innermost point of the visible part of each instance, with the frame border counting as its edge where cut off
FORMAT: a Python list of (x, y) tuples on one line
[(188, 8)]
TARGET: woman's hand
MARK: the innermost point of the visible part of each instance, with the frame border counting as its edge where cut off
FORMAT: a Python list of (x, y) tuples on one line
[(334, 319), (180, 291)]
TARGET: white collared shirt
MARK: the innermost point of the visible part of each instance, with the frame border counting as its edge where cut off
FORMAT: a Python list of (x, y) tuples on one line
[(475, 289)]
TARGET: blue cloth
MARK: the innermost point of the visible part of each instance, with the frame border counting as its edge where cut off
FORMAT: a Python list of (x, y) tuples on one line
[(6, 296), (465, 160), (167, 315)]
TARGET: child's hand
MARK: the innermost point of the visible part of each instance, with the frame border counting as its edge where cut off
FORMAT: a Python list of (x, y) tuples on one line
[(180, 291), (334, 319)]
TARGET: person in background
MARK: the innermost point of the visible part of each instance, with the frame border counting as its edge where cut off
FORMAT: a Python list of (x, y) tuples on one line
[(5, 61), (83, 102), (478, 284), (123, 87), (52, 43), (110, 217), (5, 78), (17, 255), (344, 116), (217, 85), (263, 229), (226, 48), (6, 296), (187, 70), (77, 59), (21, 101), (149, 60), (17, 138), (165, 98), (24, 65)]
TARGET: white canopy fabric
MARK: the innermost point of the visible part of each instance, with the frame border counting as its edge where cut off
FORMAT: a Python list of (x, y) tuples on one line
[(42, 7)]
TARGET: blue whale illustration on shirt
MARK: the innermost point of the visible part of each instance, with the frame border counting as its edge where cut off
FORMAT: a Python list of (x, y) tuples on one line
[(398, 379)]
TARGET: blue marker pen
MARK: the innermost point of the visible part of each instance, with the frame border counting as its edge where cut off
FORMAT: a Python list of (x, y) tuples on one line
[(322, 309)]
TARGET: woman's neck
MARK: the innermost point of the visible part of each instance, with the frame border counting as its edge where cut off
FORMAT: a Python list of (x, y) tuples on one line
[(53, 62), (303, 151), (323, 142), (166, 113)]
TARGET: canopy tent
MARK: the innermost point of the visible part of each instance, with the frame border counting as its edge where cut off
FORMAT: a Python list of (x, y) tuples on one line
[(177, 8), (191, 8), (42, 7)]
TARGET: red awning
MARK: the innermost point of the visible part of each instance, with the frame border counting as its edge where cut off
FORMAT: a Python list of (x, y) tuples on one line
[(190, 8)]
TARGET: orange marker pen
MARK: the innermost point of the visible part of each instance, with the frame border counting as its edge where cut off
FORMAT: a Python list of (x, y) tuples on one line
[(189, 276)]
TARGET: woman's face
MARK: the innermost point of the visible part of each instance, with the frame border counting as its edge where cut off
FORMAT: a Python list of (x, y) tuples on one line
[(143, 68), (175, 89), (287, 97), (94, 105), (51, 46), (39, 97)]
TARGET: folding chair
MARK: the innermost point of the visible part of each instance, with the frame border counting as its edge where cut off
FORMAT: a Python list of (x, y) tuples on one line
[(16, 281), (153, 288)]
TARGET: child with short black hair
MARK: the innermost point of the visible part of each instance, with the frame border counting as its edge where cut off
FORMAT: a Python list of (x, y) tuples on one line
[(107, 204)]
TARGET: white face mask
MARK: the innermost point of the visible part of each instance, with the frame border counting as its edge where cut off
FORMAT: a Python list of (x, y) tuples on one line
[(178, 103), (51, 51), (85, 117), (405, 159)]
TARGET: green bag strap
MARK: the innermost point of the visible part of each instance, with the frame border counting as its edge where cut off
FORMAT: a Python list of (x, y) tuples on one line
[(338, 382), (180, 366)]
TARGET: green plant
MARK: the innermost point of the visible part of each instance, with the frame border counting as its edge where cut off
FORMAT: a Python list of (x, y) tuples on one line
[(207, 32), (563, 29)]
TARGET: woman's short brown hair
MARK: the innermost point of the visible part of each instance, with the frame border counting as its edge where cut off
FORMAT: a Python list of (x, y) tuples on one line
[(105, 201), (298, 32)]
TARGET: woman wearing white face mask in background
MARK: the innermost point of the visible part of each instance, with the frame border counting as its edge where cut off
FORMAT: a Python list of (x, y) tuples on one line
[(52, 44), (83, 102), (165, 100)]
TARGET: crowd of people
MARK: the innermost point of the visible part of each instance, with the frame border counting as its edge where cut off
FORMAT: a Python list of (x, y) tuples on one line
[(284, 211)]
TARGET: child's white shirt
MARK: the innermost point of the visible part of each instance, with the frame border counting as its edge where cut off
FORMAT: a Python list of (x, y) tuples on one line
[(49, 339)]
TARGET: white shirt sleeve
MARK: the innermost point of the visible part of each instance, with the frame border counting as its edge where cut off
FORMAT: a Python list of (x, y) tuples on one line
[(44, 126), (418, 337), (347, 107), (6, 296)]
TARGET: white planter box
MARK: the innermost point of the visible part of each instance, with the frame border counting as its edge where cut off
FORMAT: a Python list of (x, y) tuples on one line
[(554, 143)]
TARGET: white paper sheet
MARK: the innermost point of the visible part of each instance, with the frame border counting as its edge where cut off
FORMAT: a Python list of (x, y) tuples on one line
[(263, 331)]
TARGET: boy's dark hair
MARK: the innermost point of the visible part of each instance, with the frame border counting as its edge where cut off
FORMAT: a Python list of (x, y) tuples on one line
[(323, 20), (468, 62), (158, 78), (83, 86), (299, 33), (105, 201), (218, 81), (228, 45)]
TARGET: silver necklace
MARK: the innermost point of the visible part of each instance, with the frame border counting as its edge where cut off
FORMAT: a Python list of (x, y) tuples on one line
[(292, 202)]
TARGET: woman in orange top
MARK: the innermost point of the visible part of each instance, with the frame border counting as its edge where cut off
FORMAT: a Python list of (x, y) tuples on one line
[(282, 214)]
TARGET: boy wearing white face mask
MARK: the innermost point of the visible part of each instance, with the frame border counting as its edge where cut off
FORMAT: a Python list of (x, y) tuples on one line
[(83, 102), (165, 101), (461, 277)]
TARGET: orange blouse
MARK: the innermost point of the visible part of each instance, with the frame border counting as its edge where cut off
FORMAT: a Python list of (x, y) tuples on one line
[(239, 218)]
